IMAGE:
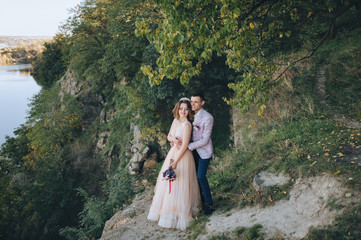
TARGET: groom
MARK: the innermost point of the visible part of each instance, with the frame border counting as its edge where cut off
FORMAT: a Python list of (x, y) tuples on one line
[(202, 147)]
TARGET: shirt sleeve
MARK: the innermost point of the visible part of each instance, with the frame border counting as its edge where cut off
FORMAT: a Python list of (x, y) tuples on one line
[(206, 136)]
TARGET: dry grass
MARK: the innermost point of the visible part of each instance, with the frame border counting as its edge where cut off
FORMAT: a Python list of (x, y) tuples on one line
[(284, 105)]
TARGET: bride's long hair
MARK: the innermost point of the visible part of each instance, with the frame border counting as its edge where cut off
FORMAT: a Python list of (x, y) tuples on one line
[(175, 110)]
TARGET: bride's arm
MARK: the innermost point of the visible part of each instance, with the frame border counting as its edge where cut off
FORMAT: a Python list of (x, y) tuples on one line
[(185, 140), (170, 137)]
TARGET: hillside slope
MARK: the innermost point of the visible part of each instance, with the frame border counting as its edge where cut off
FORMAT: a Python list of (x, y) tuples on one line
[(305, 137), (95, 136)]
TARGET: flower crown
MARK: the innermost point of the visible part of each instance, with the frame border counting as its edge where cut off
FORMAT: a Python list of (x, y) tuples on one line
[(184, 99)]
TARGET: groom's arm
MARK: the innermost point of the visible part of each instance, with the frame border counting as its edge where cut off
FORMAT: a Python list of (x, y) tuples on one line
[(206, 136)]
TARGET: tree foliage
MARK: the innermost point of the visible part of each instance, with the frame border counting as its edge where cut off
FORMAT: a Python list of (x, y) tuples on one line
[(51, 66), (247, 33), (64, 186)]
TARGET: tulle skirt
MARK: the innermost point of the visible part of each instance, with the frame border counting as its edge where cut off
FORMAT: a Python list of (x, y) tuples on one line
[(175, 206)]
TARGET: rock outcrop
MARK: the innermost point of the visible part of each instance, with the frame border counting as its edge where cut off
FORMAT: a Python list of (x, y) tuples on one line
[(69, 84), (132, 223), (307, 206), (266, 179), (92, 104), (138, 150)]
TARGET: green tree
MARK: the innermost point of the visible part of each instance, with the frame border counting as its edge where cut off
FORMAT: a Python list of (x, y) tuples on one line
[(248, 33), (14, 203), (50, 67)]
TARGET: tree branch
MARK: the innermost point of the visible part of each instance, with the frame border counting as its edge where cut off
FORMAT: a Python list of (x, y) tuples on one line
[(328, 32), (200, 11), (263, 23), (260, 3)]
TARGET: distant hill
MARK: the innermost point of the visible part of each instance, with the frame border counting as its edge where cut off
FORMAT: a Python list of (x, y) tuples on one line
[(20, 49), (14, 41)]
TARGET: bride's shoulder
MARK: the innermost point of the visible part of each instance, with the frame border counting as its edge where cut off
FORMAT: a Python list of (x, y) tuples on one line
[(187, 123)]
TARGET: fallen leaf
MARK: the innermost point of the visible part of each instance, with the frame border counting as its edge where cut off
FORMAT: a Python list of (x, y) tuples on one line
[(348, 195)]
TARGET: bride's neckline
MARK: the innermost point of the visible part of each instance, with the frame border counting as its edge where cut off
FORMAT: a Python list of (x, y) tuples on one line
[(182, 121)]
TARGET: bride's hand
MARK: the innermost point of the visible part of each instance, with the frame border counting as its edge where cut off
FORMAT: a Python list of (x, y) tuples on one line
[(173, 165)]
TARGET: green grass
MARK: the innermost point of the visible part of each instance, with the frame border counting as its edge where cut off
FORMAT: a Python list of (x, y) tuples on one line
[(346, 227), (222, 236), (252, 233), (299, 148), (344, 74), (196, 227)]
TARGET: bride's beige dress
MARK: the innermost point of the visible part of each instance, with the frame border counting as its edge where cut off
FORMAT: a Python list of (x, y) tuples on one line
[(177, 208)]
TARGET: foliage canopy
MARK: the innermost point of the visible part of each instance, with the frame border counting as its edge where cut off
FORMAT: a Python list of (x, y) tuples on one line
[(248, 33)]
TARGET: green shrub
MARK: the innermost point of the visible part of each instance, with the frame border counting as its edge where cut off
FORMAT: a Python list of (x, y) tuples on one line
[(50, 67)]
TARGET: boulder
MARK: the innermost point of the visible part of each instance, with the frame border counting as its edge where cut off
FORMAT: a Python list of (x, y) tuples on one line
[(266, 179), (128, 149), (150, 162), (107, 115), (103, 139), (135, 164), (69, 85)]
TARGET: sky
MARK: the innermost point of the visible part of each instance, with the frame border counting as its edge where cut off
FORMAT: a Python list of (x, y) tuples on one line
[(33, 17)]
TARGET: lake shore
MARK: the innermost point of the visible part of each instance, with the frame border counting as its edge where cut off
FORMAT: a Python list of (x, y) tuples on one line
[(17, 87)]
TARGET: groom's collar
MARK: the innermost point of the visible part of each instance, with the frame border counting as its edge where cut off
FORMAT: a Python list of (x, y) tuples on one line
[(199, 112)]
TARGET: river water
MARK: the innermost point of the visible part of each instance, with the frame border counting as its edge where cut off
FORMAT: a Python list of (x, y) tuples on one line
[(17, 87)]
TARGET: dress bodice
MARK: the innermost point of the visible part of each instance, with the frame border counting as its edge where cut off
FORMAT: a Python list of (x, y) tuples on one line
[(177, 128)]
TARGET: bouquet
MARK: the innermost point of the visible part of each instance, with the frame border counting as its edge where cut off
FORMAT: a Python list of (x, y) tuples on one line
[(170, 176)]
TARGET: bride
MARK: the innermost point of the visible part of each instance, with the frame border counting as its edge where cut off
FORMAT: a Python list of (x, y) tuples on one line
[(176, 203)]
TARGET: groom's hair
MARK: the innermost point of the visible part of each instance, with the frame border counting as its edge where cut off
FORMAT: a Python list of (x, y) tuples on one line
[(198, 94)]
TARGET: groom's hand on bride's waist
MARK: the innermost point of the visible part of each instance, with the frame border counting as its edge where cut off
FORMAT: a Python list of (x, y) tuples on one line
[(178, 143)]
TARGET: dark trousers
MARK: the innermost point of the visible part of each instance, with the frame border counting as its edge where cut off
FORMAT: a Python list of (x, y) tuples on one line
[(201, 168)]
